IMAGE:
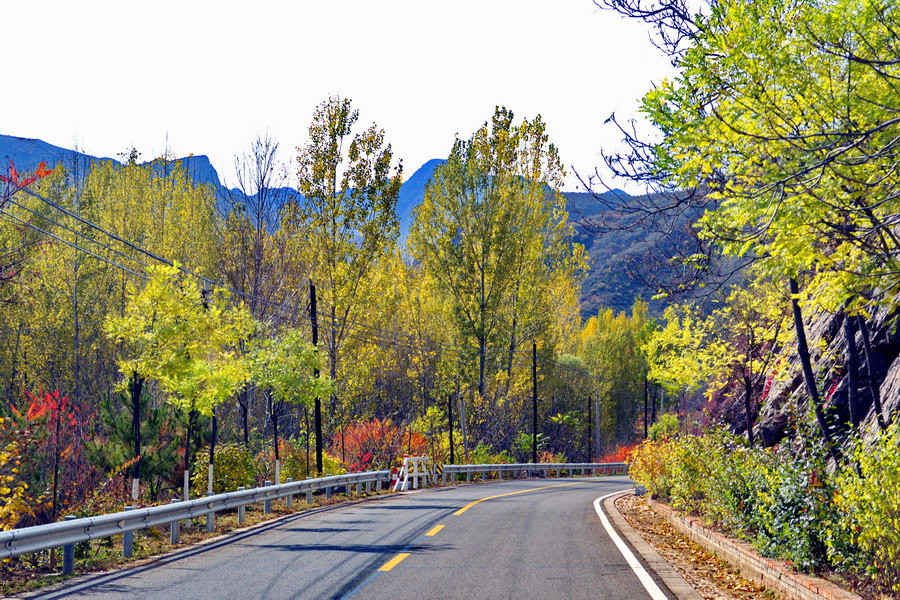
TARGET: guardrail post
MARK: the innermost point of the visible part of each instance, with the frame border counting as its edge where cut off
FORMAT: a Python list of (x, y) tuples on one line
[(174, 528), (357, 489), (378, 485), (128, 540), (309, 496), (242, 510), (468, 475), (368, 486), (69, 554), (328, 493), (210, 518), (267, 504), (290, 499)]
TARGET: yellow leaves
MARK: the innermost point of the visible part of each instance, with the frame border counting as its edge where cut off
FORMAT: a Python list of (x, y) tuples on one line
[(184, 338)]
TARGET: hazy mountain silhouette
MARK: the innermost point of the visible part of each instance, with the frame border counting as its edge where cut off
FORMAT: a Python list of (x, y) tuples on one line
[(607, 283)]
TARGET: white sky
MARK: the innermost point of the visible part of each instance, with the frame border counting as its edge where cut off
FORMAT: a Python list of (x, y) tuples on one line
[(209, 76)]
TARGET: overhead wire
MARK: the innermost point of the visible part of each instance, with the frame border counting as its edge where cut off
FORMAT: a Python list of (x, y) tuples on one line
[(75, 246), (78, 233), (374, 333)]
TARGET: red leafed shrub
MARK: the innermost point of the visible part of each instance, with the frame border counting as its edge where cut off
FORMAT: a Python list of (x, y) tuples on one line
[(376, 444), (13, 180), (620, 455), (53, 463)]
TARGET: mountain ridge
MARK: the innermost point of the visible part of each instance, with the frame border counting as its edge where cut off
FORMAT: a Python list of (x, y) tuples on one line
[(607, 283)]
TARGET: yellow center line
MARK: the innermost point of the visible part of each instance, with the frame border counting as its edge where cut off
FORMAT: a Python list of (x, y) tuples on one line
[(471, 504), (434, 530), (394, 561)]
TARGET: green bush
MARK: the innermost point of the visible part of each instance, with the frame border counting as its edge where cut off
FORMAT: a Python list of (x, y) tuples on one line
[(484, 454), (666, 427), (782, 500), (732, 481), (794, 508), (870, 506), (233, 468)]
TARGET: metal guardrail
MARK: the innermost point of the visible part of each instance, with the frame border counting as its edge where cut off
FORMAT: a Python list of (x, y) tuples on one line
[(44, 537), (525, 468)]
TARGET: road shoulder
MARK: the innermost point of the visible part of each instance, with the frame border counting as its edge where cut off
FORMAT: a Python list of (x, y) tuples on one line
[(650, 557)]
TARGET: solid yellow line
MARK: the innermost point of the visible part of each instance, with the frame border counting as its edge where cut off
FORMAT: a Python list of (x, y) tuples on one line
[(394, 561), (471, 504), (435, 530)]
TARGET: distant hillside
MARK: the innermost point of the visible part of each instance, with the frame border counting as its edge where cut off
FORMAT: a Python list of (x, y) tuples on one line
[(607, 284), (27, 154), (412, 192)]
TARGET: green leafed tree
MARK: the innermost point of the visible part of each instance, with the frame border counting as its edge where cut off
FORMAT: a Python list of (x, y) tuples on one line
[(492, 233), (350, 186), (186, 340), (283, 367)]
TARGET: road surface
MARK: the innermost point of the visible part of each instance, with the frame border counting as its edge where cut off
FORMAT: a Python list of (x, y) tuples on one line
[(516, 539)]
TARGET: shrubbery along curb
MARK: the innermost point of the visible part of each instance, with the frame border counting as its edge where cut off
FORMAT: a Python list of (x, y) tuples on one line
[(772, 574)]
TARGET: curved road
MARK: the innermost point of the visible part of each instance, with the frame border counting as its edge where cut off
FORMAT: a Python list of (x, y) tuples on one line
[(516, 539)]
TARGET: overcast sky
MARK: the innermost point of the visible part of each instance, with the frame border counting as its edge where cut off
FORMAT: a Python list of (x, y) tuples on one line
[(207, 77)]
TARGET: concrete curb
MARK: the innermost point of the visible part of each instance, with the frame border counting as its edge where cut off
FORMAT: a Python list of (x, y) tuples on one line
[(656, 563), (772, 574)]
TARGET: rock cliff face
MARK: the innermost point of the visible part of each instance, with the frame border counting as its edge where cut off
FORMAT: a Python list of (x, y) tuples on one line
[(787, 400)]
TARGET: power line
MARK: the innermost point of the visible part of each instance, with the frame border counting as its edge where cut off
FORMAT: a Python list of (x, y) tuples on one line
[(79, 233), (75, 246), (378, 333)]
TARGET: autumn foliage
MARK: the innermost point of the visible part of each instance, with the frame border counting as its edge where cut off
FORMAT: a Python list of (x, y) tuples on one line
[(377, 443), (620, 455)]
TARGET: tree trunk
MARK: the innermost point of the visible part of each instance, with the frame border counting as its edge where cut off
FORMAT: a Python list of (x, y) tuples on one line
[(871, 371), (212, 451), (646, 400), (806, 363), (135, 387), (590, 424), (748, 408), (852, 372), (482, 360), (56, 453), (192, 417), (245, 410), (306, 437)]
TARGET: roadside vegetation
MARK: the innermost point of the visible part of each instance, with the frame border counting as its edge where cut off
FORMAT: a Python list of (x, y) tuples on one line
[(162, 342), (781, 348)]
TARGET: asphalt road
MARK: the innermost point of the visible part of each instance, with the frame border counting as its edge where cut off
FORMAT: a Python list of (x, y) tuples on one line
[(517, 539)]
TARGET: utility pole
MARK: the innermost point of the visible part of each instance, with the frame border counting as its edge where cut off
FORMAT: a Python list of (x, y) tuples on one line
[(317, 417), (462, 421), (450, 419), (646, 398), (590, 433), (534, 399)]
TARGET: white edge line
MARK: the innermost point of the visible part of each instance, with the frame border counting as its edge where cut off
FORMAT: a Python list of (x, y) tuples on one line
[(639, 570)]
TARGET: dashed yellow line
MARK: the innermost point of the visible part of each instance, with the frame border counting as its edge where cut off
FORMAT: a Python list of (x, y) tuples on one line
[(471, 504), (434, 530), (394, 561)]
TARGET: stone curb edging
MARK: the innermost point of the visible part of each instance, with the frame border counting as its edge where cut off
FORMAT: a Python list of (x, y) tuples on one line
[(670, 577), (772, 574)]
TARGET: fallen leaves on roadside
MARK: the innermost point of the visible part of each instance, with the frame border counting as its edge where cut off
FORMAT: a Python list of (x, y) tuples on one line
[(713, 578)]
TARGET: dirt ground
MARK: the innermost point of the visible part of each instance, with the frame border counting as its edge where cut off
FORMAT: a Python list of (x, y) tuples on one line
[(713, 578)]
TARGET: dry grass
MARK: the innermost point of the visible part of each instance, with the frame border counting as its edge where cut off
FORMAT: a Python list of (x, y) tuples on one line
[(32, 571)]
